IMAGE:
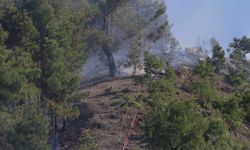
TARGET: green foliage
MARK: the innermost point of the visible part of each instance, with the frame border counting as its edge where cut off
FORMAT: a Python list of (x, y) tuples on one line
[(140, 80), (22, 34), (172, 126), (245, 104), (170, 73), (232, 112), (10, 84), (3, 36), (163, 85), (38, 68), (88, 141), (6, 122), (236, 76), (239, 68), (239, 47), (203, 69), (40, 10), (58, 80), (29, 133), (161, 10), (205, 91), (154, 68), (42, 49), (178, 124), (162, 88), (134, 56), (217, 136), (218, 58), (152, 65)]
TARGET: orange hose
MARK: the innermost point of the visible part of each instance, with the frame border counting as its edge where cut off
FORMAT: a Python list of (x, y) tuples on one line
[(129, 132)]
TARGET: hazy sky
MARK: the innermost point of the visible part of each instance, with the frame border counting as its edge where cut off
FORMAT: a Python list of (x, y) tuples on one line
[(196, 21)]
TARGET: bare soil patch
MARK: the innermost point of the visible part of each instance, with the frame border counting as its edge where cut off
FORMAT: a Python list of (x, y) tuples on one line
[(108, 121)]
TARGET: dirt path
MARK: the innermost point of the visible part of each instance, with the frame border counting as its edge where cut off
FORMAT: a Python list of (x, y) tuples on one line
[(101, 112)]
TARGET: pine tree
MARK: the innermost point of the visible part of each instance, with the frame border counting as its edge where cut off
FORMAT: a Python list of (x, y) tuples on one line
[(29, 133), (171, 126), (218, 58), (59, 61), (134, 56), (18, 94), (152, 65), (203, 69), (238, 70), (39, 65)]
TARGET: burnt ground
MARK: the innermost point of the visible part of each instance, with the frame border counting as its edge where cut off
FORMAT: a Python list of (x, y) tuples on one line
[(104, 112)]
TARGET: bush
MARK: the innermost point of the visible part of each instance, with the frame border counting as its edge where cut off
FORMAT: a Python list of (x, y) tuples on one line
[(170, 73), (245, 104), (162, 85), (232, 112), (206, 92), (88, 141), (217, 136), (29, 133), (218, 58), (203, 69), (177, 125), (236, 77), (166, 84), (152, 65)]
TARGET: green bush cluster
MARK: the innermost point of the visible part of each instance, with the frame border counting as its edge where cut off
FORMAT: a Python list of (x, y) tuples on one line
[(233, 112), (180, 125), (203, 69), (206, 92), (175, 126), (203, 123), (88, 141), (245, 104)]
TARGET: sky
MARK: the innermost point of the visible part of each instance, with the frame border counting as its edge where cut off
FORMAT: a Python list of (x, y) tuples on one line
[(196, 21)]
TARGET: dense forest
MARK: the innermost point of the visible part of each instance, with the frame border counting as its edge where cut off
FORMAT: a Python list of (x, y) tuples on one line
[(44, 45)]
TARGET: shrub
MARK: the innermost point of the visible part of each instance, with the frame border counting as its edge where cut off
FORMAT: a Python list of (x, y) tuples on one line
[(245, 104), (217, 136), (163, 86), (205, 91), (203, 69), (166, 84), (29, 133), (177, 125), (236, 77), (152, 65), (88, 141), (232, 112), (170, 73), (218, 58)]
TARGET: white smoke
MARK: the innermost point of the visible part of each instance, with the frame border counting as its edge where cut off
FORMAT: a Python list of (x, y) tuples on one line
[(96, 65)]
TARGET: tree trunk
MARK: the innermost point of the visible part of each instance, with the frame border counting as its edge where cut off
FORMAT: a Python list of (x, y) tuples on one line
[(51, 120), (64, 125), (135, 67), (111, 62), (106, 48), (43, 68), (55, 123)]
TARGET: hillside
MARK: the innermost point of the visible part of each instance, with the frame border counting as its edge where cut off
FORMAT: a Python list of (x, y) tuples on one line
[(104, 113), (108, 111), (109, 75)]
